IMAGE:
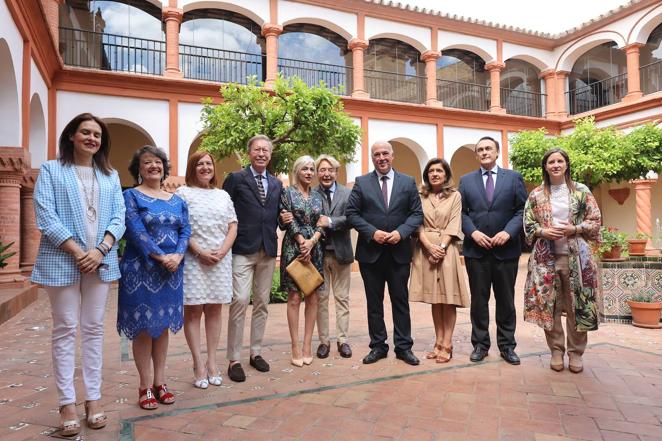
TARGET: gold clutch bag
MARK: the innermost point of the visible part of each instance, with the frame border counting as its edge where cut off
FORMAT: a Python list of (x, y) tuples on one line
[(305, 275)]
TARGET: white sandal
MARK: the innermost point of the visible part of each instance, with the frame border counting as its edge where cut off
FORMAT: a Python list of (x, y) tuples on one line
[(215, 380), (69, 427), (95, 421), (202, 383)]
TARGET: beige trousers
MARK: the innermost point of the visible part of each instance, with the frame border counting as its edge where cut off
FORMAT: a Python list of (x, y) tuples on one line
[(336, 278), (253, 272), (576, 341)]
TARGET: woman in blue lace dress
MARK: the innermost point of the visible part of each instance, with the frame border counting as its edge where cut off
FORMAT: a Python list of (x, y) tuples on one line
[(151, 287)]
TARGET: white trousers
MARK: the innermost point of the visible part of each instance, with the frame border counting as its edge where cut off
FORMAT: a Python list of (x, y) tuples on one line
[(84, 303)]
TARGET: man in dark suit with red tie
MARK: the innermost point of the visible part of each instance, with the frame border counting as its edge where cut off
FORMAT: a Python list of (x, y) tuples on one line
[(492, 207), (385, 208)]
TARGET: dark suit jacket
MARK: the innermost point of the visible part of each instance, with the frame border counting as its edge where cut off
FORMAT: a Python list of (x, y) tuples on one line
[(338, 234), (256, 223), (503, 214), (367, 213)]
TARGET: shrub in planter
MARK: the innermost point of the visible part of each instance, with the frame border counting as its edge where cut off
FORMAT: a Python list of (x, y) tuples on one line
[(613, 244), (645, 311), (637, 244)]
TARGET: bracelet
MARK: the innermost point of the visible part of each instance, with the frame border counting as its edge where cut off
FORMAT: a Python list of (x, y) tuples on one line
[(103, 252), (104, 246)]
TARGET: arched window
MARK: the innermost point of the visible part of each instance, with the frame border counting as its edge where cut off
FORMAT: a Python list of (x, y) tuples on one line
[(219, 45), (598, 78), (315, 54), (393, 70), (462, 80), (112, 35), (651, 62), (520, 88)]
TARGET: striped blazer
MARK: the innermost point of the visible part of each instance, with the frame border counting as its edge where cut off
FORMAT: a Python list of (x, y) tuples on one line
[(59, 214)]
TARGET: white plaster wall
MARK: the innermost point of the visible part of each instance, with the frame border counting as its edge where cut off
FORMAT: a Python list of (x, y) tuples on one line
[(10, 33), (641, 31), (419, 37), (623, 119), (38, 86), (353, 169), (540, 58), (425, 135), (150, 115), (456, 137), (189, 128), (257, 10), (344, 23), (484, 47)]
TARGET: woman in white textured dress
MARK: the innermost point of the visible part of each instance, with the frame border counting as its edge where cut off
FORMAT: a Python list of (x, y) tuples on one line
[(208, 263)]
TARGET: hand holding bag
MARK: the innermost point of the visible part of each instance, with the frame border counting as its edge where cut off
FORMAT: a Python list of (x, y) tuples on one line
[(305, 275)]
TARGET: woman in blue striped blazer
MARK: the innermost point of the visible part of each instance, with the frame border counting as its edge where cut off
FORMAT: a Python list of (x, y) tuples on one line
[(80, 212)]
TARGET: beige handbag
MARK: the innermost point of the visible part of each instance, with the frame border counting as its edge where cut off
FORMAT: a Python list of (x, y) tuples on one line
[(305, 275)]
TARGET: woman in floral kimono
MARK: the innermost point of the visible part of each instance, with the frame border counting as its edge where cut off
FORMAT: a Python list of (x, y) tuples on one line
[(560, 216)]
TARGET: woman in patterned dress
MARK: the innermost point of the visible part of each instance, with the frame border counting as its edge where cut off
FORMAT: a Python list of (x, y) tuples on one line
[(151, 287), (208, 265), (301, 241), (560, 216)]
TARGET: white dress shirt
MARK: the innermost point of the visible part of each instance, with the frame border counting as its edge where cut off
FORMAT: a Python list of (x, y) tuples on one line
[(495, 173)]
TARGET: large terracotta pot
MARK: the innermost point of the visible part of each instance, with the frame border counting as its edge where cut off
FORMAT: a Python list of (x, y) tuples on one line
[(646, 314), (613, 254), (637, 247)]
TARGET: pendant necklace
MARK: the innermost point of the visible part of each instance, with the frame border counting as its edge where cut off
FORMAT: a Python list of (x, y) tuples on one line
[(90, 212)]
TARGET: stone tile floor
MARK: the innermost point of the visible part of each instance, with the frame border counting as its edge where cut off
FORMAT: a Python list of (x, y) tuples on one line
[(617, 397)]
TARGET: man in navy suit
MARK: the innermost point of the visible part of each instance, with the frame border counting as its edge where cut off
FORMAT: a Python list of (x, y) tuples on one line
[(255, 194), (492, 206), (385, 208)]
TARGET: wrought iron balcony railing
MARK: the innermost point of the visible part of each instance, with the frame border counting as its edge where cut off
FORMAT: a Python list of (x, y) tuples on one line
[(395, 87), (333, 76), (104, 51), (462, 95), (222, 66), (651, 77), (522, 102), (598, 94)]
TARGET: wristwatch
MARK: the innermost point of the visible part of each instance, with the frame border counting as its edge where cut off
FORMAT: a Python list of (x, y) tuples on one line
[(443, 246)]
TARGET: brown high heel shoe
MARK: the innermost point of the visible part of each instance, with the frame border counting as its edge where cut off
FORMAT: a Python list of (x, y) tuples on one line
[(435, 352), (443, 358)]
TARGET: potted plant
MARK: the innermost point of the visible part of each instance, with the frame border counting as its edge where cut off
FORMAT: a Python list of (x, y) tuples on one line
[(612, 244), (5, 256), (645, 311), (637, 244)]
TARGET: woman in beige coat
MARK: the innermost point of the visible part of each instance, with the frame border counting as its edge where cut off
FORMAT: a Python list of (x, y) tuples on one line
[(435, 274)]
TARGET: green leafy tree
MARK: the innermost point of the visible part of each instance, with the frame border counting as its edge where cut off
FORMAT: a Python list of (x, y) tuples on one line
[(298, 119), (644, 148), (528, 149), (4, 255)]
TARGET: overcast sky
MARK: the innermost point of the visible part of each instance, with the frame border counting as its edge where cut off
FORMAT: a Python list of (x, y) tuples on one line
[(524, 13)]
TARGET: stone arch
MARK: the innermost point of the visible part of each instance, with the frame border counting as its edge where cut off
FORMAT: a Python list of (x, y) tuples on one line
[(38, 148), (570, 55), (222, 167), (537, 62), (415, 43), (126, 137), (482, 53), (409, 157), (226, 6), (9, 104), (335, 27), (645, 25), (462, 162)]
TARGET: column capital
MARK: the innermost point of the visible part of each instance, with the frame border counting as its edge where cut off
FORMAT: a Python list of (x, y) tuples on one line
[(546, 74), (430, 55), (357, 43), (14, 161), (29, 179), (169, 13), (562, 74), (632, 47), (493, 65), (271, 30), (643, 183)]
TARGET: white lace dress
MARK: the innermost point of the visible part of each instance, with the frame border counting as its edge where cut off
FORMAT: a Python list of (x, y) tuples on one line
[(210, 213)]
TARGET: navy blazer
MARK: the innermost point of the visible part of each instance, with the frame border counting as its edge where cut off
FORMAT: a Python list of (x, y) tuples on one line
[(367, 213), (256, 222), (503, 214)]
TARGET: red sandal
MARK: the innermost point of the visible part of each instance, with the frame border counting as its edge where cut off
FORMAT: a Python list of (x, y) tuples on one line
[(163, 394), (148, 402)]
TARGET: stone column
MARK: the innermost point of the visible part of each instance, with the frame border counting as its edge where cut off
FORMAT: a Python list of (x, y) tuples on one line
[(30, 235), (550, 92), (14, 161), (173, 19), (642, 193), (495, 86), (270, 32), (358, 46), (561, 106), (634, 81), (430, 58)]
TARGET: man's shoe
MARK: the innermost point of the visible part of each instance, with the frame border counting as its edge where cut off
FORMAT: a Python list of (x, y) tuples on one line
[(408, 357), (259, 363), (374, 356), (323, 350), (510, 356), (478, 354), (344, 350), (236, 373)]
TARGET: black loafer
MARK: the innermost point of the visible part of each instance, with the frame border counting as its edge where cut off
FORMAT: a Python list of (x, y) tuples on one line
[(344, 350), (510, 356), (374, 356), (259, 363), (236, 373), (323, 350), (478, 354), (408, 357)]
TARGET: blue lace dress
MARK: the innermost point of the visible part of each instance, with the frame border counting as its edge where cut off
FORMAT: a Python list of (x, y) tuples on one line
[(150, 297)]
